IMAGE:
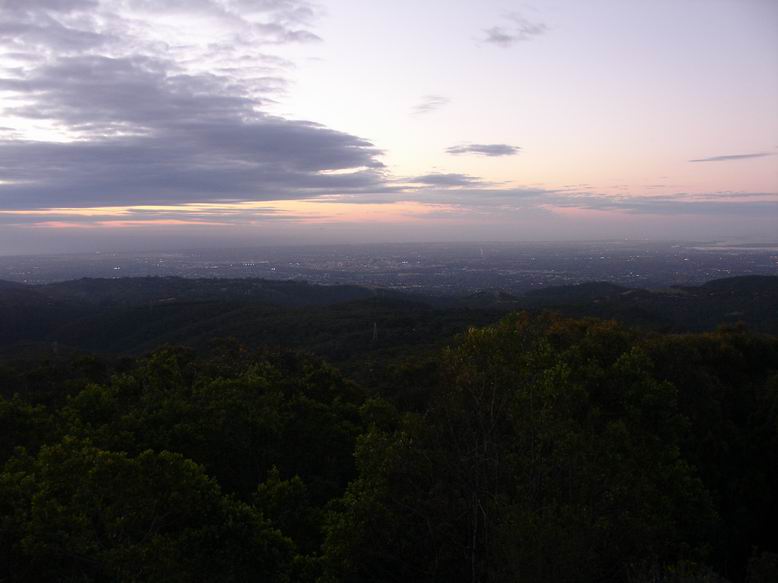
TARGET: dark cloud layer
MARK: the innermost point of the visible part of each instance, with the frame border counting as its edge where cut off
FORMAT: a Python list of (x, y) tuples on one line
[(729, 157), (145, 130), (263, 160), (484, 149)]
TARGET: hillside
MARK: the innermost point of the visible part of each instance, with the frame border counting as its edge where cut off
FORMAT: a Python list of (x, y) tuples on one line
[(340, 322), (155, 290), (752, 300)]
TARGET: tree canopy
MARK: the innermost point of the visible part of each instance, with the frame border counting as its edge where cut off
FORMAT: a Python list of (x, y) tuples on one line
[(540, 448)]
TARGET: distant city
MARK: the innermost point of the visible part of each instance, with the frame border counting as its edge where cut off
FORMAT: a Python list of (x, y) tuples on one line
[(439, 268)]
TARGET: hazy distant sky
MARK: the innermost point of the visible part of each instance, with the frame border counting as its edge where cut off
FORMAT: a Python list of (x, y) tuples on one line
[(176, 123)]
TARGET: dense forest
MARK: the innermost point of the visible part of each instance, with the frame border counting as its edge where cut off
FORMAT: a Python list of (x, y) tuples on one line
[(207, 435)]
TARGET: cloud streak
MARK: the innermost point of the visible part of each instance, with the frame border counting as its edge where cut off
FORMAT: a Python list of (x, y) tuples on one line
[(450, 196), (491, 150), (517, 29), (730, 157), (446, 180), (430, 103)]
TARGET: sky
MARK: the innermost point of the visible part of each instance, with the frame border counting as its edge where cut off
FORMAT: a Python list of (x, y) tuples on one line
[(154, 124)]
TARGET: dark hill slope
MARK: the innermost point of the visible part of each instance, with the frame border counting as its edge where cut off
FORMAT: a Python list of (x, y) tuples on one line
[(752, 300), (151, 290), (137, 314), (28, 314), (754, 285), (336, 331), (583, 292)]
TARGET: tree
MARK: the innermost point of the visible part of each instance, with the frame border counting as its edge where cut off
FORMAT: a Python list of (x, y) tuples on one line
[(550, 453), (78, 513)]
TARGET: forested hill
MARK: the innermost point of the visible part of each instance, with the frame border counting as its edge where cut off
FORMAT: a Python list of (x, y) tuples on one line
[(135, 291), (752, 300), (247, 430), (359, 329), (137, 314)]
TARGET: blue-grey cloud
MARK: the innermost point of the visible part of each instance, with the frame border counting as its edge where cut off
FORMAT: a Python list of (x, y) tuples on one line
[(268, 159), (145, 130), (55, 6), (48, 32), (515, 30), (729, 157), (679, 206), (484, 149), (446, 180), (504, 202), (430, 103)]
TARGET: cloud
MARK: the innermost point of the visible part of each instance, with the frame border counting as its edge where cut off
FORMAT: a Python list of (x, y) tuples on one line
[(49, 33), (140, 121), (733, 157), (484, 149), (668, 206), (135, 108), (520, 201), (267, 159), (446, 180), (517, 29), (61, 6), (430, 103)]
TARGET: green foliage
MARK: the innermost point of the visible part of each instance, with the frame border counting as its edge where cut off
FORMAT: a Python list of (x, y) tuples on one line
[(288, 504), (550, 454), (22, 425), (296, 414), (79, 513), (537, 449), (728, 383)]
